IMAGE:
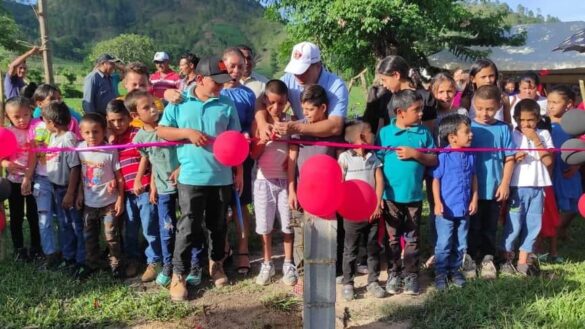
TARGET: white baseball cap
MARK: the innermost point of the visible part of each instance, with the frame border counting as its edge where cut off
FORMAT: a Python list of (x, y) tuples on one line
[(303, 55), (160, 56)]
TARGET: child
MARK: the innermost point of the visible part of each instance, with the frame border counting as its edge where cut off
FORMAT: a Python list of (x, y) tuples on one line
[(566, 179), (163, 189), (494, 171), (362, 164), (455, 194), (135, 78), (102, 193), (527, 187), (19, 113), (270, 187), (403, 174), (443, 88), (139, 210), (44, 94), (204, 185), (528, 89), (63, 169)]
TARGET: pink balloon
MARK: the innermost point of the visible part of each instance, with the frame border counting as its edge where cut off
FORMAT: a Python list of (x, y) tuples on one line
[(319, 197), (358, 200), (9, 143), (231, 148), (320, 167), (582, 205)]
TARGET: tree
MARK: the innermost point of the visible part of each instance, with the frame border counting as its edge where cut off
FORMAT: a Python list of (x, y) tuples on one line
[(127, 47), (9, 32), (354, 33)]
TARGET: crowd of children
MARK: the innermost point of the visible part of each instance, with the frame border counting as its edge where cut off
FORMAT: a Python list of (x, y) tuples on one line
[(131, 190)]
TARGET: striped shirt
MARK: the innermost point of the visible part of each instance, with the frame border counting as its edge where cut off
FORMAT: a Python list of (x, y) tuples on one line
[(130, 160), (159, 84)]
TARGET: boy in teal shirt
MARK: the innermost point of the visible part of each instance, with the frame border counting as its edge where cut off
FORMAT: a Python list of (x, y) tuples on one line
[(403, 195), (204, 185)]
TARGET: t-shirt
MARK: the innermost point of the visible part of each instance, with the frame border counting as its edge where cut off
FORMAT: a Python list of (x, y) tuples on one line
[(271, 162), (98, 169), (245, 102), (337, 93), (567, 188), (59, 164), (159, 84), (212, 117), (377, 107), (490, 165), (355, 166), (403, 178), (98, 91), (130, 160), (39, 133), (73, 124), (531, 172), (21, 156), (163, 160), (455, 172), (12, 86), (256, 82)]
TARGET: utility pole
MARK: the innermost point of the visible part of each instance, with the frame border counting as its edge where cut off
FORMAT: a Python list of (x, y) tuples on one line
[(47, 59)]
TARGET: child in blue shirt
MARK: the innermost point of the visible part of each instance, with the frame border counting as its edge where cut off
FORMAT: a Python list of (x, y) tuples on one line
[(204, 185), (403, 175), (455, 196), (494, 172)]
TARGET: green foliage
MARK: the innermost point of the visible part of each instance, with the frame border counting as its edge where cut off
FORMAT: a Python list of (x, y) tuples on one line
[(9, 32), (35, 75), (127, 47)]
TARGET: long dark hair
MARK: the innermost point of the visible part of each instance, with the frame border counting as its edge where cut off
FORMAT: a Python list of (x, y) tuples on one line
[(479, 65), (391, 64)]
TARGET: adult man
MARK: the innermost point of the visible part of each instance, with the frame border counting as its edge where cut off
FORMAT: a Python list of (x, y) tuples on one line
[(14, 79), (187, 65), (98, 88), (251, 79), (164, 78)]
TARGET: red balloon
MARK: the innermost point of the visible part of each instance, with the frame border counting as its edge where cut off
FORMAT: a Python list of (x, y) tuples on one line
[(358, 200), (320, 167), (582, 205), (9, 143), (319, 197), (231, 148)]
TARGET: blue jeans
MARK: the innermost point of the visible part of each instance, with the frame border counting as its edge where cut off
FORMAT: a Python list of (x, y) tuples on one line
[(167, 222), (139, 211), (524, 217), (70, 228), (43, 193), (451, 243)]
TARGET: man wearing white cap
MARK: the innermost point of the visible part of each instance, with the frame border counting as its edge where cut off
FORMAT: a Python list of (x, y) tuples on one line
[(305, 68), (164, 78)]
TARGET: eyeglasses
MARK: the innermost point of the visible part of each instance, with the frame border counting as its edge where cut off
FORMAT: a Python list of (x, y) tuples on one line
[(158, 62)]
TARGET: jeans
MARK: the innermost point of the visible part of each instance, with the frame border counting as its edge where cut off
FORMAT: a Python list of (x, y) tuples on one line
[(43, 193), (481, 240), (70, 228), (524, 218), (139, 211), (167, 222), (353, 233), (91, 221), (403, 220), (451, 243), (198, 204), (16, 204)]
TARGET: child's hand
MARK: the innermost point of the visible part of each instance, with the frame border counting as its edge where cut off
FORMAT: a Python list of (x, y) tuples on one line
[(405, 153), (239, 181), (519, 156), (502, 193), (152, 196), (473, 207), (377, 213), (13, 167), (119, 206), (25, 188), (174, 177), (111, 187), (293, 203), (197, 138), (68, 200), (438, 209), (531, 134), (79, 201), (173, 96), (571, 171), (138, 187)]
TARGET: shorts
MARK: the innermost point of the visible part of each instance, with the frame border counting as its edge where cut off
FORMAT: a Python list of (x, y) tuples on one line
[(270, 201)]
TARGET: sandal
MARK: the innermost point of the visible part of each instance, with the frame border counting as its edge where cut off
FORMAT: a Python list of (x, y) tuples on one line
[(245, 268)]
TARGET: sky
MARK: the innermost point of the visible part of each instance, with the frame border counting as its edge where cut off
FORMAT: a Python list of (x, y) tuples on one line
[(565, 10)]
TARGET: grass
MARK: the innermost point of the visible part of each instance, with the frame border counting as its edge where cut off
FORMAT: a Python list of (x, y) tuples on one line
[(282, 302)]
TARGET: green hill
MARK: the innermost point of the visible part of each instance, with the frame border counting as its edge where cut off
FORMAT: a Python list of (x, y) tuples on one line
[(203, 27)]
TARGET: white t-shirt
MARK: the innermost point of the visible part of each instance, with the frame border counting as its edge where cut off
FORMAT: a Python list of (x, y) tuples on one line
[(531, 172), (355, 166), (271, 163), (542, 102)]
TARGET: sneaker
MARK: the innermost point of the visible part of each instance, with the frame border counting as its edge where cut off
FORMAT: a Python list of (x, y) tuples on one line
[(527, 270), (441, 282), (555, 259), (393, 284), (339, 279), (178, 289), (488, 268), (508, 269), (116, 273), (67, 266), (36, 255), (347, 292), (469, 269), (458, 279), (362, 269), (82, 272), (21, 255), (217, 273), (52, 261), (534, 264), (131, 269), (195, 275), (163, 279), (150, 273), (411, 286), (375, 290), (289, 274), (266, 274)]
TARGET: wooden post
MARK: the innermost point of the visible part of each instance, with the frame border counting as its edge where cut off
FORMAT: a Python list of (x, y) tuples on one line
[(47, 60), (2, 99), (582, 89)]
